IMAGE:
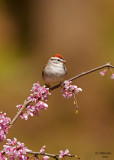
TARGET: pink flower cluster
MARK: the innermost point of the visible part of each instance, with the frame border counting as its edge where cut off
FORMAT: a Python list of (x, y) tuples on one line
[(64, 153), (39, 94), (14, 150), (102, 73), (4, 126), (68, 89)]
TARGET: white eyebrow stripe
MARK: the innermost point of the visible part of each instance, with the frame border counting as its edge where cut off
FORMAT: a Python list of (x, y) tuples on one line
[(56, 58)]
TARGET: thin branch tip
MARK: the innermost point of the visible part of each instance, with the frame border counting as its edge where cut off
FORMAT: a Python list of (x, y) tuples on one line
[(54, 156)]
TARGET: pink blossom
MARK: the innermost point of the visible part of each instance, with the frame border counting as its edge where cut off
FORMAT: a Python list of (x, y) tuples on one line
[(42, 150), (2, 156), (102, 73), (112, 76), (68, 89), (64, 153), (39, 94), (33, 110), (4, 126), (45, 157), (19, 106), (15, 150)]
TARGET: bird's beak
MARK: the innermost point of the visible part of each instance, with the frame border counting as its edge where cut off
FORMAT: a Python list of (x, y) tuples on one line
[(64, 62)]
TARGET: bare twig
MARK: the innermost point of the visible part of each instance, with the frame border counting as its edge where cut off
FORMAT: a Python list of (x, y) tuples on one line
[(55, 156), (26, 103)]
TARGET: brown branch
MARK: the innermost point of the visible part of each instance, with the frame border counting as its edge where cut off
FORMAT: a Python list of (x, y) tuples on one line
[(55, 156), (108, 65), (26, 103)]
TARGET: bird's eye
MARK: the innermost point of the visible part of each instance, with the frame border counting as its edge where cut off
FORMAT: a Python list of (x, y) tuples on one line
[(58, 59)]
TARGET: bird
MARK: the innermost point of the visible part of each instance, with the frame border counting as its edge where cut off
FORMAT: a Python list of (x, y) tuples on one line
[(55, 70)]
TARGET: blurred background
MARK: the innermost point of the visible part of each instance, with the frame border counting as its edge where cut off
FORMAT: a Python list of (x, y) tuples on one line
[(83, 32)]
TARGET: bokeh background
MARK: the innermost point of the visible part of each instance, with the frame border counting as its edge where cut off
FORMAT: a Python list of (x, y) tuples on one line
[(83, 32)]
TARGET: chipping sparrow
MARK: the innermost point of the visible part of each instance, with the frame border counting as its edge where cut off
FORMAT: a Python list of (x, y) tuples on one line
[(55, 70)]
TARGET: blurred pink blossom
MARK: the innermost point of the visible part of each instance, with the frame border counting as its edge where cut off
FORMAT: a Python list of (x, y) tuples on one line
[(45, 157), (64, 153), (102, 73), (42, 150), (112, 76), (4, 126), (2, 156), (68, 89), (14, 150)]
